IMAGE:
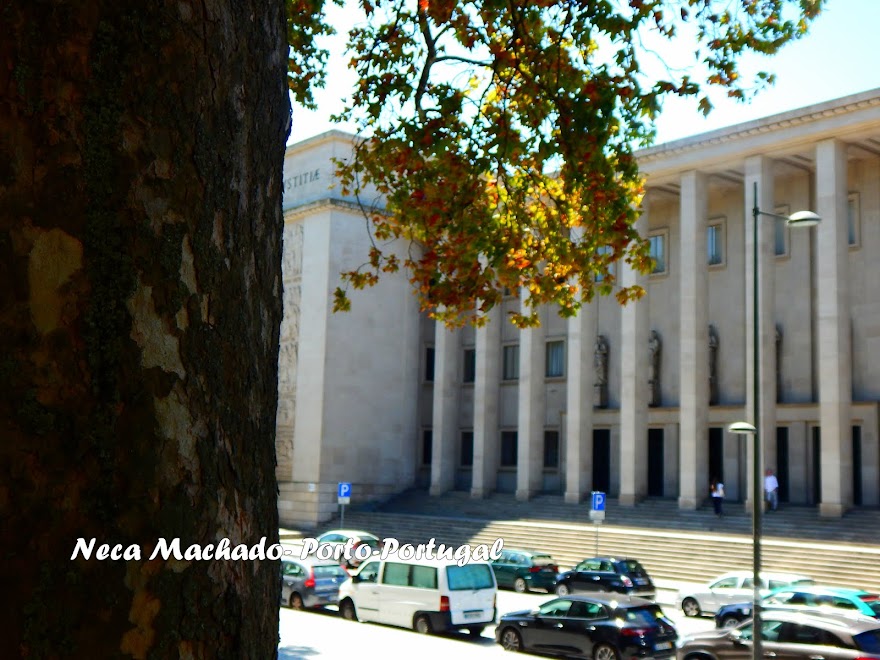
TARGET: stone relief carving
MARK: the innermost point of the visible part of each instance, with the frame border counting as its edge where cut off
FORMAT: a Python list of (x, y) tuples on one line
[(600, 366), (655, 348), (778, 363), (713, 365), (292, 248)]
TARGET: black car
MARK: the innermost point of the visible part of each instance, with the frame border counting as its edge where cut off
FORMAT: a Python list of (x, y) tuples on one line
[(619, 574), (600, 627)]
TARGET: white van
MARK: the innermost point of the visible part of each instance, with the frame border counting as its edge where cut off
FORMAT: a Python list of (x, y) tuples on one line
[(427, 595)]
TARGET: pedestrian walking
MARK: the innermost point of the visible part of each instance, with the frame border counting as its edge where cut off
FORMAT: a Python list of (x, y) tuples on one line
[(716, 490), (771, 490)]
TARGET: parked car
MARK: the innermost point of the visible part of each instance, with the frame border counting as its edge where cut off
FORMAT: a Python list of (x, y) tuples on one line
[(733, 587), (795, 635), (358, 537), (620, 574), (829, 598), (310, 582), (525, 570), (427, 595), (598, 626)]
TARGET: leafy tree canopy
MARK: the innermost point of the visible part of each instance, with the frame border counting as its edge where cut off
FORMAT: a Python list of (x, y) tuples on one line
[(501, 133)]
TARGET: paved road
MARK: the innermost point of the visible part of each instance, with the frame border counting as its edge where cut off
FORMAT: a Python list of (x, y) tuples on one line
[(313, 635)]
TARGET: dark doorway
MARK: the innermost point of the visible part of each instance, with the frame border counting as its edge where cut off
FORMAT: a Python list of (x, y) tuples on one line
[(816, 486), (602, 460), (782, 462), (857, 464), (656, 472), (716, 455)]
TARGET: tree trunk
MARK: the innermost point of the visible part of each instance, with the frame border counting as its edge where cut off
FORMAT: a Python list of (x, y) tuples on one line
[(141, 152)]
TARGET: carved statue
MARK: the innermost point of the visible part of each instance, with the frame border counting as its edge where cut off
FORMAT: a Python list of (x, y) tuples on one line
[(655, 347), (713, 365), (600, 365)]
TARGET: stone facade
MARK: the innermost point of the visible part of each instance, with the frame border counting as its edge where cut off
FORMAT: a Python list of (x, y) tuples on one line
[(383, 398)]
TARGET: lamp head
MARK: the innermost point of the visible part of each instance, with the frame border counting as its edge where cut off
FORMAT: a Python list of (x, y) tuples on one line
[(742, 428), (803, 219)]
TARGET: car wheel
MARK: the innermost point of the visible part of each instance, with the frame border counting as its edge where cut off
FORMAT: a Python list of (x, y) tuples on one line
[(422, 624), (295, 601), (476, 631), (562, 590), (346, 609), (690, 607), (730, 621), (520, 586), (605, 652), (511, 640)]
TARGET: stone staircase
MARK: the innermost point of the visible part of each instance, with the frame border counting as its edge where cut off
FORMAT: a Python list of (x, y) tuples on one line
[(673, 545)]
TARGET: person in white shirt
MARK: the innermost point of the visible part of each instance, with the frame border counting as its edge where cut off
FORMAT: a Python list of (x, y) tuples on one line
[(716, 490), (771, 490)]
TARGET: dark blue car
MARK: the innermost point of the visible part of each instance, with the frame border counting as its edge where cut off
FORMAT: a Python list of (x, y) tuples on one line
[(600, 627)]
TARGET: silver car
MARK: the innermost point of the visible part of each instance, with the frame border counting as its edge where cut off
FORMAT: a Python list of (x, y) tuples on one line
[(307, 583), (733, 587)]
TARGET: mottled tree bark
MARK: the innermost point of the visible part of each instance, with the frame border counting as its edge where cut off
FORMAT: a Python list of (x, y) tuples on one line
[(141, 151)]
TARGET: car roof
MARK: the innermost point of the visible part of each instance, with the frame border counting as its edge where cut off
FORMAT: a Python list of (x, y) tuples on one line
[(610, 558), (310, 561), (349, 532), (611, 599), (424, 561), (823, 618), (533, 553), (846, 592)]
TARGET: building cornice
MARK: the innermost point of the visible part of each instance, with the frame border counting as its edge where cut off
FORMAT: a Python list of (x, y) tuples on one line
[(296, 213), (774, 123)]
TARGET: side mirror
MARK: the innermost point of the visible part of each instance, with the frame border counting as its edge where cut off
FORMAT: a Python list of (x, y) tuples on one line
[(355, 578)]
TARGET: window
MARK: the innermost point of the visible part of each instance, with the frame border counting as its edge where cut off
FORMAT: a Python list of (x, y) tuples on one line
[(466, 455), (423, 577), (511, 362), (658, 252), (469, 577), (715, 242), (508, 448), (470, 365), (396, 574), (429, 364), (780, 229), (555, 359), (603, 250), (427, 442), (370, 572), (551, 449), (852, 219), (726, 583)]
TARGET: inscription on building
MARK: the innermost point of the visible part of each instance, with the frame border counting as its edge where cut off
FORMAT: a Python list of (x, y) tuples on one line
[(301, 179)]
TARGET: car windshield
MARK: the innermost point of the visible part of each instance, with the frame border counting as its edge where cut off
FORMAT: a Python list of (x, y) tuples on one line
[(630, 566), (869, 642), (872, 601), (469, 576), (373, 543), (329, 570)]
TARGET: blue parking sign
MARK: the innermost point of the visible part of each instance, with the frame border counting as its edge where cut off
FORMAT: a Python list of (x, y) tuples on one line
[(344, 489), (598, 503)]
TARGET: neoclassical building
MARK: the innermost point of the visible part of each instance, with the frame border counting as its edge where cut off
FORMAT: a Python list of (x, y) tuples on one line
[(634, 401)]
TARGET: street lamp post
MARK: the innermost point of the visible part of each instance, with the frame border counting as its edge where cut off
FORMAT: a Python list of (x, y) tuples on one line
[(799, 219)]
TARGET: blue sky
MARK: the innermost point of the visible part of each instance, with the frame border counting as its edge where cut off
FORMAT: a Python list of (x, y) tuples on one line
[(840, 56)]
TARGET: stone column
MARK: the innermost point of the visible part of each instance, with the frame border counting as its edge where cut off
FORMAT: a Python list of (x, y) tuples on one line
[(694, 339), (835, 370), (634, 387), (760, 170), (579, 402), (447, 385), (530, 432), (486, 438)]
